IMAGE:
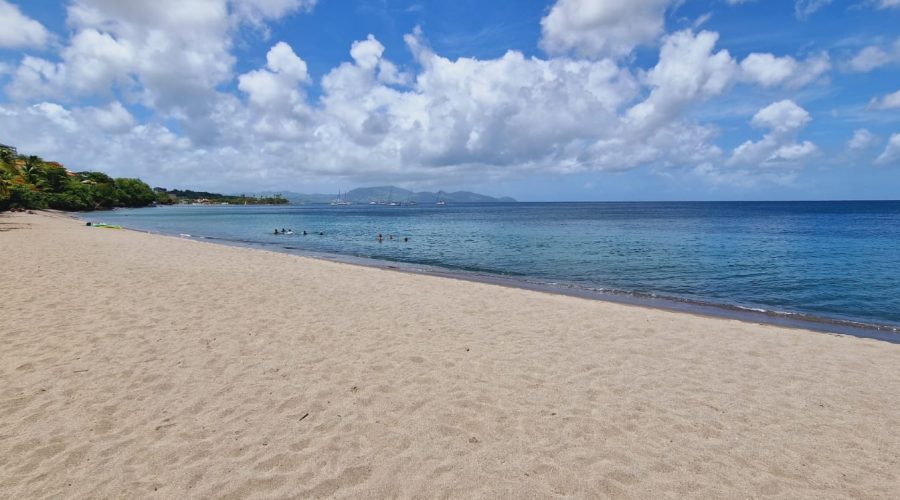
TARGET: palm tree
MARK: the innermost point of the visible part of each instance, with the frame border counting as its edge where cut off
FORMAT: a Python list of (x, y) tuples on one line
[(34, 166), (30, 172)]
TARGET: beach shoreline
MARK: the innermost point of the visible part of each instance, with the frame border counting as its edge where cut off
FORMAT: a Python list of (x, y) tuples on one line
[(773, 317), (138, 365)]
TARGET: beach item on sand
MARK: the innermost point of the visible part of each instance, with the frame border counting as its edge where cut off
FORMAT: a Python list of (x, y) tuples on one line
[(107, 226)]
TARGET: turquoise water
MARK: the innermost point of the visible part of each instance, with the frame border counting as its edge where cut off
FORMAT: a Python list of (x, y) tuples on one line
[(825, 261)]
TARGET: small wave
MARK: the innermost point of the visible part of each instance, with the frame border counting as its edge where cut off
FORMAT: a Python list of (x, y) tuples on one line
[(755, 309)]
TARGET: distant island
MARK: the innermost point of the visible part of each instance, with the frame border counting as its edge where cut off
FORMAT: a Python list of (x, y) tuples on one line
[(392, 194), (30, 182)]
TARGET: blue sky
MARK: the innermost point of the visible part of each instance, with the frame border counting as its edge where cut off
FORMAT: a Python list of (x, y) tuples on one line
[(540, 100)]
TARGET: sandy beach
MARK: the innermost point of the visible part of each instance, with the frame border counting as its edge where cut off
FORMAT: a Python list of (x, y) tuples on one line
[(137, 365)]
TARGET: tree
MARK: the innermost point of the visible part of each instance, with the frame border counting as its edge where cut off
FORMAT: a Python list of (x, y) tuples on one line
[(22, 196), (163, 198), (76, 197), (31, 172), (102, 188), (56, 179), (134, 193)]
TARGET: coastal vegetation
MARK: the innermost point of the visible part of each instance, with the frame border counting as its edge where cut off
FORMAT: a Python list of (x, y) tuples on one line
[(172, 196), (30, 182)]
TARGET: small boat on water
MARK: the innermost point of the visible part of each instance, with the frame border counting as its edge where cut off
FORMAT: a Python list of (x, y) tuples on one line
[(392, 203), (341, 200)]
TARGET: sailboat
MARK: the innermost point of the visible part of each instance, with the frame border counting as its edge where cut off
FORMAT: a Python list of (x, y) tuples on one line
[(341, 200), (392, 203), (440, 201)]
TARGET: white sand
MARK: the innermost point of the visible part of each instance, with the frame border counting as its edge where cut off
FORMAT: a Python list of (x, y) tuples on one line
[(135, 365)]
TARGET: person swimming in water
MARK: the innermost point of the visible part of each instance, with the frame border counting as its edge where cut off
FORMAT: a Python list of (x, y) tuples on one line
[(379, 238), (275, 232)]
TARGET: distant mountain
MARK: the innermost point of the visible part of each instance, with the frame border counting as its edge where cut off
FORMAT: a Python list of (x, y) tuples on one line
[(380, 193), (391, 193)]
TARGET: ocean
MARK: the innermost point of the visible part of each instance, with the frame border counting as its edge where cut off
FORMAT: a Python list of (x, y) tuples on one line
[(832, 266)]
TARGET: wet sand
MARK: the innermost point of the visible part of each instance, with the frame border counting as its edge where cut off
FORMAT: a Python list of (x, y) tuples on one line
[(137, 365)]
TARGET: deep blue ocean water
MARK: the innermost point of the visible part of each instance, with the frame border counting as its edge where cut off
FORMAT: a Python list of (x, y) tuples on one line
[(832, 261)]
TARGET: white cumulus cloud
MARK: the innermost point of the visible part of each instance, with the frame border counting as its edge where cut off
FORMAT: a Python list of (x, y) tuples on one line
[(891, 154), (769, 70), (277, 85), (19, 30), (689, 69), (608, 28), (168, 55), (890, 101), (862, 139), (56, 114), (873, 57), (784, 119), (113, 118), (868, 59)]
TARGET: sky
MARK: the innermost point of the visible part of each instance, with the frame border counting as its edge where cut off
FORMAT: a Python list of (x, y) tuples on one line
[(565, 100)]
